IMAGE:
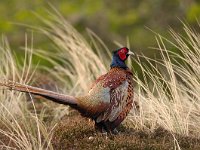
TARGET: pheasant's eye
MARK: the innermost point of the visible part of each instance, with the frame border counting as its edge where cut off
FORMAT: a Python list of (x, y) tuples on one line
[(122, 53)]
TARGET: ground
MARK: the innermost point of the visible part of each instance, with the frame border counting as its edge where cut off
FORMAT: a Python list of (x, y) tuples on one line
[(76, 132)]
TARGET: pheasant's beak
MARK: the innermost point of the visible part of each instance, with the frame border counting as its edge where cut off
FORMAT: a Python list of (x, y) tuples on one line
[(130, 53)]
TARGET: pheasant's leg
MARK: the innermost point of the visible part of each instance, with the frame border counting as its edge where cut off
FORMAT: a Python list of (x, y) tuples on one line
[(98, 126), (101, 127), (115, 131)]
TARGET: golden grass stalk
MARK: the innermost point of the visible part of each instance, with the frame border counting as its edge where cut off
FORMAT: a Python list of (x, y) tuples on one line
[(169, 93), (20, 127)]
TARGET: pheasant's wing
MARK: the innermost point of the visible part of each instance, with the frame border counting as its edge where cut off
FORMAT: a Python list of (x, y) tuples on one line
[(112, 79), (119, 97), (98, 99), (118, 101), (99, 79), (117, 83)]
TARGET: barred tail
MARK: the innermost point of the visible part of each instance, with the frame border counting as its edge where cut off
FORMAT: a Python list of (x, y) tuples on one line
[(49, 95)]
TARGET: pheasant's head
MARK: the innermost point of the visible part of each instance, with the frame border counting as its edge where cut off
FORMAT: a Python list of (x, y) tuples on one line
[(119, 57)]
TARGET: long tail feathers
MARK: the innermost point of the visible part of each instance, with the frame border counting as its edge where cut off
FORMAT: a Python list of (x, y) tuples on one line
[(49, 95)]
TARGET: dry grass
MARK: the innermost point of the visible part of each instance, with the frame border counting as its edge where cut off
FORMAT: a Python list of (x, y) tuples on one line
[(21, 128), (170, 99), (168, 95)]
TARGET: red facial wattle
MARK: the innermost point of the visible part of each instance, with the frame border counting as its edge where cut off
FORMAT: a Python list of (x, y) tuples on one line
[(122, 53)]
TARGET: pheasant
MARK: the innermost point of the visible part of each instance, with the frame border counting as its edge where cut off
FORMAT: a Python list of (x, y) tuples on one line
[(109, 100)]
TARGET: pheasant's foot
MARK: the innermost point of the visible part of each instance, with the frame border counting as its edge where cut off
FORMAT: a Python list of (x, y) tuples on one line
[(115, 132), (105, 134)]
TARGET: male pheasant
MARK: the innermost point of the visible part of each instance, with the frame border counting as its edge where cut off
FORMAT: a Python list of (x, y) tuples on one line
[(109, 100)]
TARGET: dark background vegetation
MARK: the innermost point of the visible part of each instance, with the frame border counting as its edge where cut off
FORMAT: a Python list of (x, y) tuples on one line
[(111, 20)]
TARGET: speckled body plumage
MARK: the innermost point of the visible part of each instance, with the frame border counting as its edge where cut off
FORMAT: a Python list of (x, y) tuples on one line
[(109, 100)]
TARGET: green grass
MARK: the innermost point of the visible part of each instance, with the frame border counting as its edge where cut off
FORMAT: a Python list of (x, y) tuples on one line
[(167, 92)]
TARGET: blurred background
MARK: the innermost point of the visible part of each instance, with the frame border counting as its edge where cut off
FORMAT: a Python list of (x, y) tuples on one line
[(111, 20)]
